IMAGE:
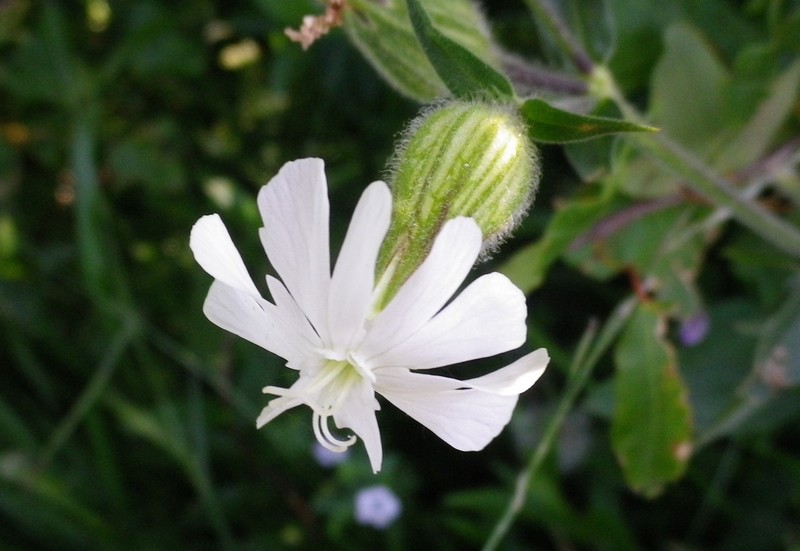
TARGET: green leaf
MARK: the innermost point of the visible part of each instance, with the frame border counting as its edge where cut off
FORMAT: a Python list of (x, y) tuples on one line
[(593, 24), (715, 371), (464, 73), (745, 377), (687, 101), (385, 38), (549, 124), (652, 428), (383, 33), (778, 353), (688, 87), (639, 32), (662, 241), (592, 159), (758, 134)]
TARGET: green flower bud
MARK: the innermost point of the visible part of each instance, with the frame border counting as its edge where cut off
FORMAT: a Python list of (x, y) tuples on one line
[(456, 159), (382, 31)]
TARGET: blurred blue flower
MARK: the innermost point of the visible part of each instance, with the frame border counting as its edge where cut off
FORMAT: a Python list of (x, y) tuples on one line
[(377, 506), (694, 329), (328, 458)]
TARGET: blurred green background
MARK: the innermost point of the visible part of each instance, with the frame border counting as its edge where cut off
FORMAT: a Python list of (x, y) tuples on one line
[(127, 420)]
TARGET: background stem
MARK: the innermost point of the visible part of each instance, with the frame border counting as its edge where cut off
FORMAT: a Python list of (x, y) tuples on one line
[(587, 355), (705, 181)]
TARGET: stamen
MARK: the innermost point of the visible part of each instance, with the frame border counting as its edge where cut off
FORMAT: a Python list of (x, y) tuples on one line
[(324, 436), (326, 430)]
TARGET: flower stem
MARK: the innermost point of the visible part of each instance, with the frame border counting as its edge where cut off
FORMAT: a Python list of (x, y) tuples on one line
[(706, 182), (535, 79), (590, 349)]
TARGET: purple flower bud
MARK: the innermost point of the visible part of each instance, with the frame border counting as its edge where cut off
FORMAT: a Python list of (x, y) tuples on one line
[(377, 506)]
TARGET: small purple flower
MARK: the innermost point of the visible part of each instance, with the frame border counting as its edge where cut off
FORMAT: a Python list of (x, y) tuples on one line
[(327, 458), (377, 506), (694, 329)]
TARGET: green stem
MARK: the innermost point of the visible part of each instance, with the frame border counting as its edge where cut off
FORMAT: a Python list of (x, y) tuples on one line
[(703, 179), (586, 357)]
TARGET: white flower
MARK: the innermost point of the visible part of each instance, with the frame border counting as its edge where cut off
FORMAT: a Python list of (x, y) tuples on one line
[(324, 325), (377, 506)]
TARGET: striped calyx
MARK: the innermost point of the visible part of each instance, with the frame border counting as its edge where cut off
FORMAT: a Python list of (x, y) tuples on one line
[(382, 31), (456, 159)]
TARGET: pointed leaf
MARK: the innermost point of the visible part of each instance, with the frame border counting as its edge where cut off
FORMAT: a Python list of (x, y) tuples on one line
[(552, 125), (464, 73), (651, 429)]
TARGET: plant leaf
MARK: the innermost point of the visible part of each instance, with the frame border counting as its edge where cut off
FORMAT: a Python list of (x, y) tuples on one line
[(549, 124), (651, 429), (465, 74), (528, 267)]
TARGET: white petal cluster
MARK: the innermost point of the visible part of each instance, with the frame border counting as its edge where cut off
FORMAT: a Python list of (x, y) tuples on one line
[(324, 325)]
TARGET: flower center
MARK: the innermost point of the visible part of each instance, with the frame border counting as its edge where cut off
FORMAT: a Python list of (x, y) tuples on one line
[(325, 391)]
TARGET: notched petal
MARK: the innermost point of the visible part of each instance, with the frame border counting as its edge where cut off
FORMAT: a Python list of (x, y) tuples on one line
[(215, 252), (294, 207), (487, 318), (354, 275)]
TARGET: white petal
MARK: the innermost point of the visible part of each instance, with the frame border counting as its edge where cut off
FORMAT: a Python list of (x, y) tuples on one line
[(487, 318), (294, 207), (215, 252), (428, 289), (293, 327), (250, 317), (466, 418), (515, 378), (275, 407), (354, 276), (358, 414)]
